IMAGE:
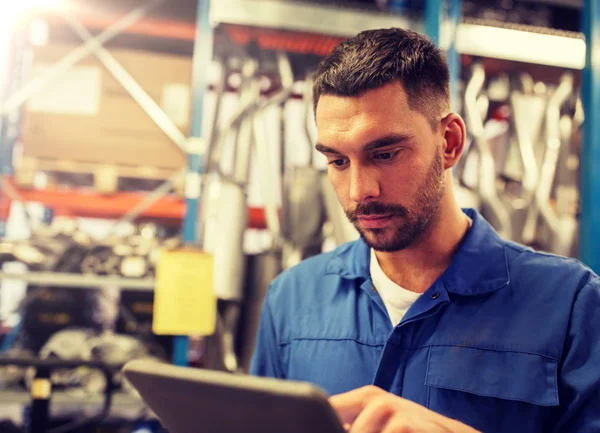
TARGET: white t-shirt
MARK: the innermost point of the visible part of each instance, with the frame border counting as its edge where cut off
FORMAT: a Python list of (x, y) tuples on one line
[(396, 298)]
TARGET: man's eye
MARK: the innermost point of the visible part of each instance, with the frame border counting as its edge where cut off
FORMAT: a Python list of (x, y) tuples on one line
[(385, 156), (338, 162)]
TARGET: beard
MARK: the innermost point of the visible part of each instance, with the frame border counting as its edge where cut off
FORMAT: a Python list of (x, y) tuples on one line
[(407, 223)]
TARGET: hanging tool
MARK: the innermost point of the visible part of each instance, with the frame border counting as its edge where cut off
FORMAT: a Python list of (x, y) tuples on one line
[(232, 124), (302, 201), (528, 111), (220, 138), (492, 206), (229, 277), (207, 225), (218, 91), (268, 190), (264, 267), (561, 227), (229, 256)]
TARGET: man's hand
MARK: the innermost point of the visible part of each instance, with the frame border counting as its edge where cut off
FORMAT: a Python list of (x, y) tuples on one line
[(373, 410)]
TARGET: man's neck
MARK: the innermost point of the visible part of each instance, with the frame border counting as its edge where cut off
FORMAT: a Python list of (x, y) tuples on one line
[(416, 268)]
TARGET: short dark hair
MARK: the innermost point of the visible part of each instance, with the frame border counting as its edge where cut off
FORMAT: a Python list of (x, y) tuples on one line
[(374, 58)]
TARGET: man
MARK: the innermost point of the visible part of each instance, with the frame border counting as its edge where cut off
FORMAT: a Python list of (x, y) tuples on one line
[(456, 328)]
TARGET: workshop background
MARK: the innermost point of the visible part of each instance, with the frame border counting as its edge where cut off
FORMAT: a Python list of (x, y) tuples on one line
[(157, 171)]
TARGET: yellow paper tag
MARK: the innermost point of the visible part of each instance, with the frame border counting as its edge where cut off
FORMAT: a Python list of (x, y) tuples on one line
[(41, 389), (184, 299)]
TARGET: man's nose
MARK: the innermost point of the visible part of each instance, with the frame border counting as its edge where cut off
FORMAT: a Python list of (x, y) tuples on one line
[(364, 184)]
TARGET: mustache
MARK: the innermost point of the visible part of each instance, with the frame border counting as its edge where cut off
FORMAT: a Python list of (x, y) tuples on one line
[(375, 208)]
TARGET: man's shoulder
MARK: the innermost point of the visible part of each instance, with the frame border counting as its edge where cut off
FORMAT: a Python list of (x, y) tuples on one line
[(310, 274), (523, 261), (316, 266)]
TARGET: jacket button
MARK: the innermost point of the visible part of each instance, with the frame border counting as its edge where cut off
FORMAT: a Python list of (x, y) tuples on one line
[(435, 295)]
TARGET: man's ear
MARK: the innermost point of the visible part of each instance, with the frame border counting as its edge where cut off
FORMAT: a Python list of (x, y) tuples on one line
[(454, 136)]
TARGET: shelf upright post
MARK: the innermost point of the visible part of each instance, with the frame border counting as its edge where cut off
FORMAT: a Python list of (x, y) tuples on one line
[(202, 60), (454, 16), (590, 151), (433, 19)]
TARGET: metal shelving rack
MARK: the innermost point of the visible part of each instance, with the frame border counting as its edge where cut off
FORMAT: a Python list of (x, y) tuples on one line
[(514, 44), (208, 14), (196, 146), (569, 51), (192, 145)]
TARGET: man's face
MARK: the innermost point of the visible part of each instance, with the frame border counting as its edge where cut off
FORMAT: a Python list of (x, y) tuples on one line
[(385, 164)]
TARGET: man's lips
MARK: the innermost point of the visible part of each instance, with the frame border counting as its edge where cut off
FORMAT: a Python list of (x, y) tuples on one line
[(374, 221)]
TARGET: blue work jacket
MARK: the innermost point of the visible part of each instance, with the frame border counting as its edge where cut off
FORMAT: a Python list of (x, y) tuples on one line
[(506, 340)]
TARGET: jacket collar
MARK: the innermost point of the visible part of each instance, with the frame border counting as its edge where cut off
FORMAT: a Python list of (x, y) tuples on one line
[(479, 265)]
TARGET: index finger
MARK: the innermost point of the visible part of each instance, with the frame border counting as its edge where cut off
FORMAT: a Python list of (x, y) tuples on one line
[(350, 404)]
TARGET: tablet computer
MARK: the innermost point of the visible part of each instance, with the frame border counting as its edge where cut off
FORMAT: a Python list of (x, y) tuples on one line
[(188, 400)]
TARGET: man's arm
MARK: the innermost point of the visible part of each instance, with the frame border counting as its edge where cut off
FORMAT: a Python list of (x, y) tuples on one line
[(579, 373), (266, 360), (373, 410)]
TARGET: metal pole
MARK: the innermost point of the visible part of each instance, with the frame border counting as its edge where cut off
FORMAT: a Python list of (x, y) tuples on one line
[(455, 14), (41, 392), (193, 184), (433, 19), (590, 151)]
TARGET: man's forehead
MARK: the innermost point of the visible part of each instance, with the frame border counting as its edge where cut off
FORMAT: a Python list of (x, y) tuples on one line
[(382, 102), (371, 114)]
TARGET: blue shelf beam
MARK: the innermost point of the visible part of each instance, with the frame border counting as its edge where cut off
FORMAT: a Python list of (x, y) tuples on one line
[(454, 16), (202, 59), (433, 19), (590, 153)]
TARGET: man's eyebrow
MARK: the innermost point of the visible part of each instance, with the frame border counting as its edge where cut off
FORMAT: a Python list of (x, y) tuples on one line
[(325, 149), (387, 140), (384, 141)]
